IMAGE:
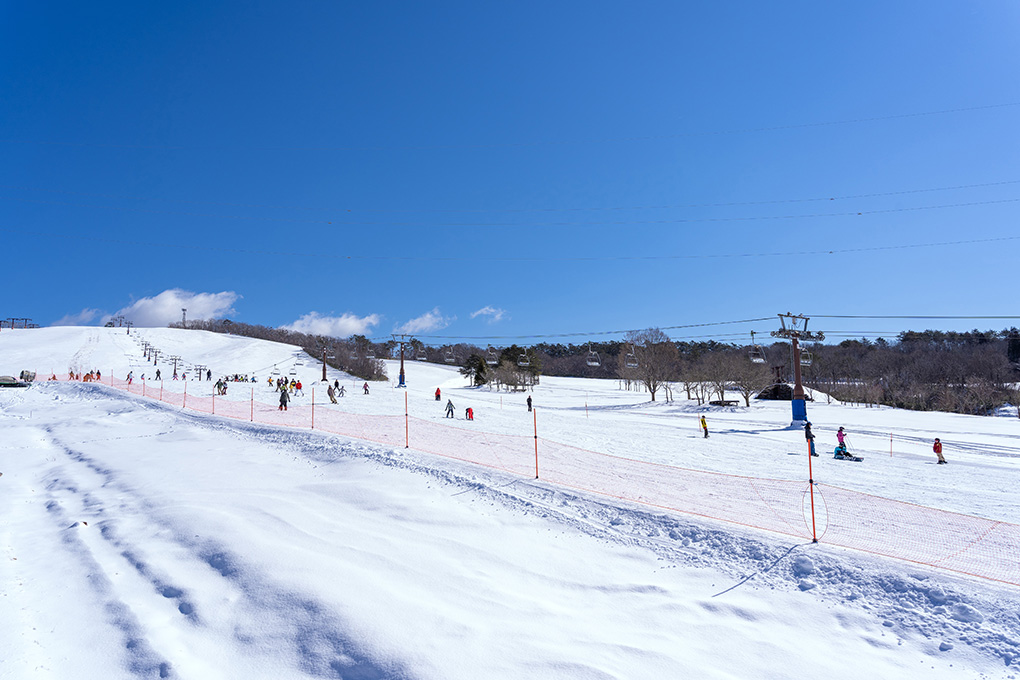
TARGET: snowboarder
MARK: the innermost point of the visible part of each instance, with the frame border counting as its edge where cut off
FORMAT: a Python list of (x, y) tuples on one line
[(529, 403), (449, 408), (208, 375), (284, 398), (469, 414), (439, 396), (937, 448), (810, 437), (157, 375), (331, 393), (704, 425), (366, 388)]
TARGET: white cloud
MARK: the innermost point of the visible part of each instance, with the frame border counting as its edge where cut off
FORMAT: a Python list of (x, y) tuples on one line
[(429, 321), (494, 313), (343, 326), (82, 318), (166, 307)]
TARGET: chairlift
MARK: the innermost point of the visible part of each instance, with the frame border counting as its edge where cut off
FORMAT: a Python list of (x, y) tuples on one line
[(448, 356), (523, 359), (630, 359), (370, 354), (422, 356), (292, 371), (275, 371), (593, 357), (757, 353), (805, 358), (490, 356)]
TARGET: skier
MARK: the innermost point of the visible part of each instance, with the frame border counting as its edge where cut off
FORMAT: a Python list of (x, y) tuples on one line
[(208, 375), (439, 396), (331, 393), (449, 408), (937, 448), (469, 414), (529, 403), (284, 398), (297, 389), (810, 437), (131, 376), (366, 388), (157, 375), (336, 385), (704, 425), (342, 390)]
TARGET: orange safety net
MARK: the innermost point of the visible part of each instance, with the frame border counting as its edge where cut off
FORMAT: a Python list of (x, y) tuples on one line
[(937, 538)]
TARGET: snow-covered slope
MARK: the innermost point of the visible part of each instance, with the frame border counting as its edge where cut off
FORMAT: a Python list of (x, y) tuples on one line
[(139, 540)]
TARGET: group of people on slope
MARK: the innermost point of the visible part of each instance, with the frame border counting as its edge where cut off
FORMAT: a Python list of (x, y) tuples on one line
[(469, 412), (841, 449)]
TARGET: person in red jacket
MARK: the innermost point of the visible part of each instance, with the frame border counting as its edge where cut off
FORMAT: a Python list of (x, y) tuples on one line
[(937, 448), (439, 395)]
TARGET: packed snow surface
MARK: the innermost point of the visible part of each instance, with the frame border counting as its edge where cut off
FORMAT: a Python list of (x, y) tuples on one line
[(141, 540)]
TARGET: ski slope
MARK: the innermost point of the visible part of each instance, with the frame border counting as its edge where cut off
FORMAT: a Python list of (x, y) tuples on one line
[(140, 540)]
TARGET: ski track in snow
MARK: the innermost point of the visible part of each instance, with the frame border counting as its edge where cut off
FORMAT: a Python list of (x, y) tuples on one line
[(313, 635), (951, 608)]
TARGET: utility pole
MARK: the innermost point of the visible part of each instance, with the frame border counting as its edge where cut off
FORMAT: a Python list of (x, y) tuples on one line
[(794, 328), (184, 317), (129, 324), (174, 358)]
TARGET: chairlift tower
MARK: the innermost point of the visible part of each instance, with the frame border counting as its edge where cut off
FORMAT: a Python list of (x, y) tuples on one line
[(324, 357), (794, 328), (401, 338)]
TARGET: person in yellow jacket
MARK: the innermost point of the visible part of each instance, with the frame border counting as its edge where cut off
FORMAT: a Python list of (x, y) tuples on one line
[(704, 425)]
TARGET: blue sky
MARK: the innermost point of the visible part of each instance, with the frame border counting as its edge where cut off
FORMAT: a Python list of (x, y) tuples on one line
[(475, 169)]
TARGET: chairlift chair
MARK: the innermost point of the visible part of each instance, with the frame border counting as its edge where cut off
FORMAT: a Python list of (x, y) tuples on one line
[(422, 356), (275, 371), (593, 357), (292, 371), (448, 356), (805, 358), (630, 359), (370, 354), (756, 354), (523, 360), (490, 356)]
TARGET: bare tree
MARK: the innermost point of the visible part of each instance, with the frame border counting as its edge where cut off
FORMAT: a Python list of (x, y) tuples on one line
[(748, 377), (657, 358)]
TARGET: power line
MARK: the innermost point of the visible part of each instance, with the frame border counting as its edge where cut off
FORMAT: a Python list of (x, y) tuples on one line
[(832, 316), (427, 258), (587, 334), (518, 225), (507, 145), (730, 204)]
